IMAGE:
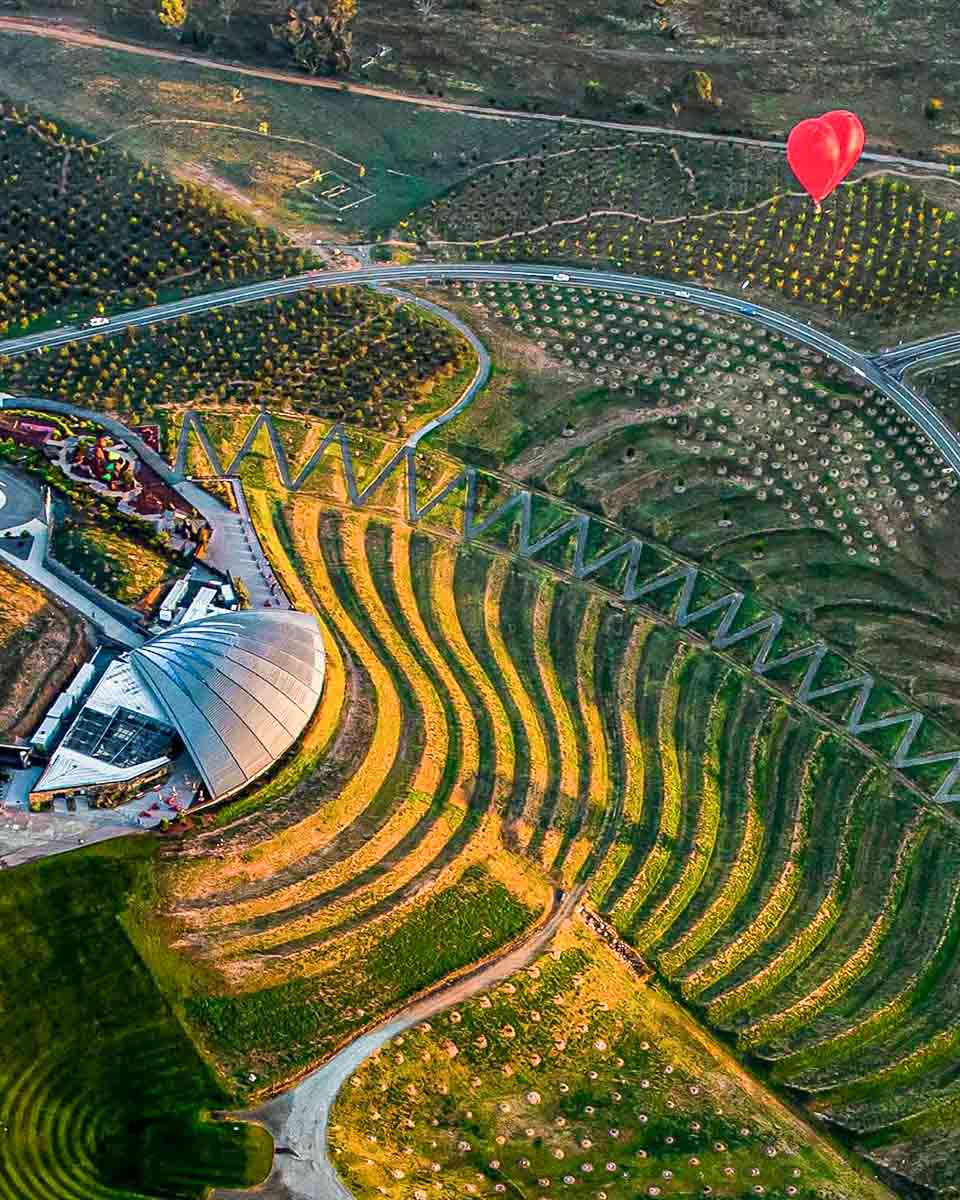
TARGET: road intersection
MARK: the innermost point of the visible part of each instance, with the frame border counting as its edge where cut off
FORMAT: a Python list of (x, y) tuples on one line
[(921, 355)]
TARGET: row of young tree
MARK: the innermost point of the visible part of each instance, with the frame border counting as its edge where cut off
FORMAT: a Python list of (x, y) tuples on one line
[(83, 225), (338, 353)]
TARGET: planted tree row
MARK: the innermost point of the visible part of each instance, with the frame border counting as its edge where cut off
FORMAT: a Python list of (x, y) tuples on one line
[(86, 226), (337, 353)]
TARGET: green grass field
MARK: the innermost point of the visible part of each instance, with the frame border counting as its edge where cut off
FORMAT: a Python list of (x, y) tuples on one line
[(103, 1094)]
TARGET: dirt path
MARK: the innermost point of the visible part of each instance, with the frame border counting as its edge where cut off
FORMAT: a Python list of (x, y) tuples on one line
[(60, 31), (298, 1118)]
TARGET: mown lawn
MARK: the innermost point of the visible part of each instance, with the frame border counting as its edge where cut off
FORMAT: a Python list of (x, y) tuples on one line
[(101, 1091)]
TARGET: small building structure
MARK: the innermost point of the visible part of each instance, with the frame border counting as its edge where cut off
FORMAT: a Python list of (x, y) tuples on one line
[(234, 690), (193, 596)]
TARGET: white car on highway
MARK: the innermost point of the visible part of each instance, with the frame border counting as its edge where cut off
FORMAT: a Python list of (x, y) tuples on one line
[(99, 321), (561, 278)]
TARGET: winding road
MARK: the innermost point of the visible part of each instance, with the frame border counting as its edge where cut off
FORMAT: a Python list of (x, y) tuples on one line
[(879, 370)]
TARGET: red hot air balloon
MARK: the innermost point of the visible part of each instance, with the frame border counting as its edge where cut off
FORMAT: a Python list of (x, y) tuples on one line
[(849, 130), (821, 151)]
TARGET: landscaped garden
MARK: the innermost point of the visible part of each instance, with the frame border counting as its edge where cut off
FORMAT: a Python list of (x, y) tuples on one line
[(123, 555), (120, 565)]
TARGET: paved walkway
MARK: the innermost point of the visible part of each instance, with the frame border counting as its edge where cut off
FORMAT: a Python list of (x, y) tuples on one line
[(234, 547), (25, 835), (35, 569)]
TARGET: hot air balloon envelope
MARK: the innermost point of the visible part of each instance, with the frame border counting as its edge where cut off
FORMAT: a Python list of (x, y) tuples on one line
[(849, 131), (822, 151)]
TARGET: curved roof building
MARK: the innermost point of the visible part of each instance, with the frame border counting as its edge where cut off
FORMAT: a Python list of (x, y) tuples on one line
[(238, 687)]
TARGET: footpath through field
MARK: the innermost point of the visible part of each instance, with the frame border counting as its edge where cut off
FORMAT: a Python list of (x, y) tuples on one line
[(298, 1117)]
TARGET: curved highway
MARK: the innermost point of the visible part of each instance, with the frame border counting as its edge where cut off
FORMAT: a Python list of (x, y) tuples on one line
[(875, 370)]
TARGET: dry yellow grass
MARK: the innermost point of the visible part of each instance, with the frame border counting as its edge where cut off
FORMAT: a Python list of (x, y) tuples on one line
[(598, 796), (363, 899), (317, 829), (445, 607), (413, 809), (469, 738), (365, 782), (41, 644), (430, 768), (618, 852), (209, 875), (532, 722), (569, 754)]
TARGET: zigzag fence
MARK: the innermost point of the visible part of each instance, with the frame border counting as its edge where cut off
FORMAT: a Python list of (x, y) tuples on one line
[(724, 620)]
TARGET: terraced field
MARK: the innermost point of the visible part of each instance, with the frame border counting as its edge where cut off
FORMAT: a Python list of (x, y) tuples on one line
[(738, 449), (489, 722)]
